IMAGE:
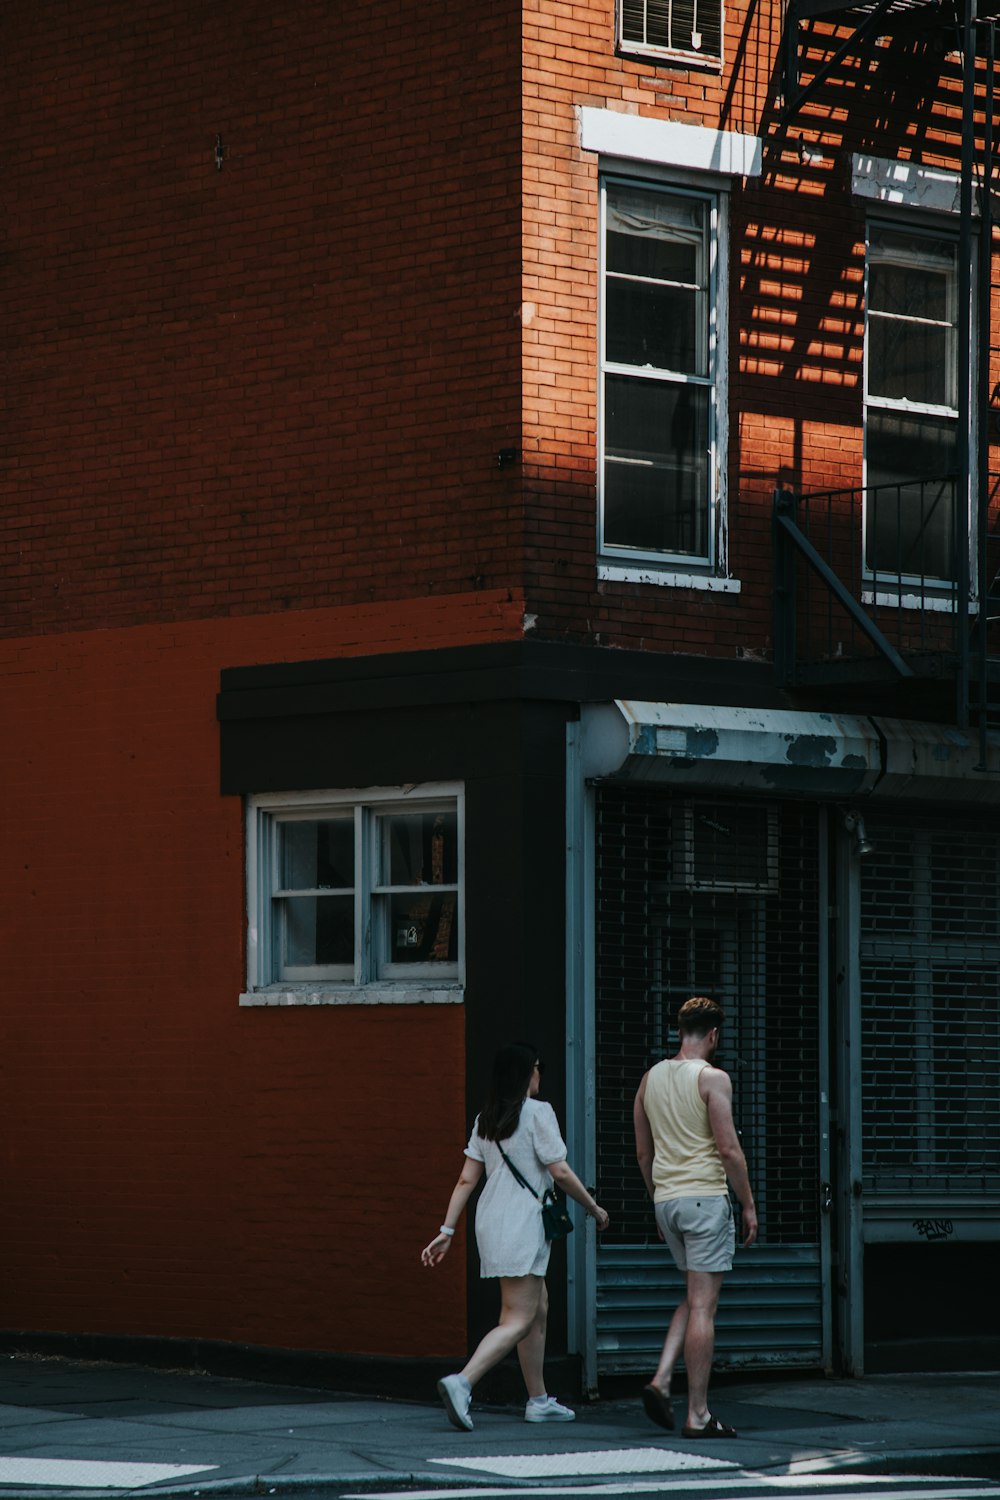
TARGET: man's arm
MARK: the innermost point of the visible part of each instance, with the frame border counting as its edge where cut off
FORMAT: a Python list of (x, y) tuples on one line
[(644, 1148), (717, 1091)]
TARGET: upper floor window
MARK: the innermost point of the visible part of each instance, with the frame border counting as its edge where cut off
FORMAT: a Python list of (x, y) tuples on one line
[(689, 29), (911, 404), (659, 359), (354, 891)]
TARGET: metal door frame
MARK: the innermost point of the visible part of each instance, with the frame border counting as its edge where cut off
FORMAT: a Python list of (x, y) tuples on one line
[(847, 1011)]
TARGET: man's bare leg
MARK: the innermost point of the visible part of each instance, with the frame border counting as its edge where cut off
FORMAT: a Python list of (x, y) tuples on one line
[(672, 1346), (703, 1289)]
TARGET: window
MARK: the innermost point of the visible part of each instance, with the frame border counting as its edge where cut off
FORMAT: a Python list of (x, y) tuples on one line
[(355, 891), (659, 360), (911, 404), (689, 28)]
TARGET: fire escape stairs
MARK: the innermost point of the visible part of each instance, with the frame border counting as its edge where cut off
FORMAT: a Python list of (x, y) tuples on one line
[(842, 615)]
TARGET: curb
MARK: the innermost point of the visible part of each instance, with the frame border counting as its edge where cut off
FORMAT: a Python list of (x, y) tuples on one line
[(909, 1461)]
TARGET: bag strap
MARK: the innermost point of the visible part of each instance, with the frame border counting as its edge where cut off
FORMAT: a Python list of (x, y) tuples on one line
[(516, 1173)]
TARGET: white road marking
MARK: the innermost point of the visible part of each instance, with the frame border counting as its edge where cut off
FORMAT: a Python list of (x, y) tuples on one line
[(601, 1461), (92, 1474)]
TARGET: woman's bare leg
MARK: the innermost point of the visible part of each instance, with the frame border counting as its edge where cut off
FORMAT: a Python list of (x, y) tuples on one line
[(519, 1299), (531, 1349)]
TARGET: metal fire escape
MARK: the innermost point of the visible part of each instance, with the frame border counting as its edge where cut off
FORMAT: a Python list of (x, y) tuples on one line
[(844, 617)]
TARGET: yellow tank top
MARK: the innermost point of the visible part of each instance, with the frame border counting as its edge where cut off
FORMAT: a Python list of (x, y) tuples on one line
[(687, 1161)]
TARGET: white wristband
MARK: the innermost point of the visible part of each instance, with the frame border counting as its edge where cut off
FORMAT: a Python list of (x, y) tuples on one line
[(445, 1230)]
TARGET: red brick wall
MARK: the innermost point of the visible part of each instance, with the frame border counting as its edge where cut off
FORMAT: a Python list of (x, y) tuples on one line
[(796, 318), (173, 1164), (281, 383)]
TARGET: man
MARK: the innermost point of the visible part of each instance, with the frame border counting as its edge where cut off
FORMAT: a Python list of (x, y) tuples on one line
[(687, 1146)]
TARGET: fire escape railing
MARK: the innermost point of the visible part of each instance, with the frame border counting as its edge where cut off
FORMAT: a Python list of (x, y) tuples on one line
[(868, 584), (841, 601)]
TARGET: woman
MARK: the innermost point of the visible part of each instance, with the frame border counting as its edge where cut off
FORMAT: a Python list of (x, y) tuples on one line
[(509, 1232)]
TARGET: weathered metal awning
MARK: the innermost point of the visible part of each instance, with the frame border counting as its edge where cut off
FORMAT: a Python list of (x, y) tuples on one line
[(787, 753)]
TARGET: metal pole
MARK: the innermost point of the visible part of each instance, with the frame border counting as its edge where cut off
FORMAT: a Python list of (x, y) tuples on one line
[(784, 589), (983, 404), (963, 496)]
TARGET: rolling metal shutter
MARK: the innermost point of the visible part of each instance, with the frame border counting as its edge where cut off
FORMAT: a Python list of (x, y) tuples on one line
[(930, 1026), (720, 897)]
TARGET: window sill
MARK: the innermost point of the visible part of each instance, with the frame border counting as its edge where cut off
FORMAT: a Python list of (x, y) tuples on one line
[(931, 603), (670, 57), (368, 994), (664, 578)]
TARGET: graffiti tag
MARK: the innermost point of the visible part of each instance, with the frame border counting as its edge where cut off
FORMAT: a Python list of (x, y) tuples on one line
[(934, 1229)]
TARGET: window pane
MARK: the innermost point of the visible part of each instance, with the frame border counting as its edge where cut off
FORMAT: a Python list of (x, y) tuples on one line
[(912, 301), (419, 848), (317, 855), (911, 362), (656, 235), (318, 931), (657, 326), (909, 291), (911, 513), (656, 296), (423, 928), (656, 466)]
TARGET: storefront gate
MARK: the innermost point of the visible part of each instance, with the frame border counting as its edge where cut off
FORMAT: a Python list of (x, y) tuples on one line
[(703, 895), (930, 1028)]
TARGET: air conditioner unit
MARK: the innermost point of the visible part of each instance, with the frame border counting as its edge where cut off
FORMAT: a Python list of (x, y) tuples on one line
[(724, 847)]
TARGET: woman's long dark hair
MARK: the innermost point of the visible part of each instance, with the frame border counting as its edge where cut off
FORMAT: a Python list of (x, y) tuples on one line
[(512, 1070)]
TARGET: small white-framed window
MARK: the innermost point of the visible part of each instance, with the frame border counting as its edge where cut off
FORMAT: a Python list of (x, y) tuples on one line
[(911, 404), (659, 426), (357, 892), (681, 30)]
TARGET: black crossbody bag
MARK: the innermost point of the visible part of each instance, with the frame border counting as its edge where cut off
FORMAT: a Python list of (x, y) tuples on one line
[(555, 1215)]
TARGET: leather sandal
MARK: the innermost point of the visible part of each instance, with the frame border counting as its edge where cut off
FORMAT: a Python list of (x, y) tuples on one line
[(657, 1407), (713, 1428)]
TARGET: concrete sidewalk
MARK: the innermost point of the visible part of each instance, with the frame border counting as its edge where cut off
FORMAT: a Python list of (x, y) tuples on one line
[(79, 1429)]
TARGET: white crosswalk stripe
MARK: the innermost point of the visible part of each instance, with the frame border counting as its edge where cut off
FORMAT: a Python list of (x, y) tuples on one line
[(592, 1463), (91, 1473)]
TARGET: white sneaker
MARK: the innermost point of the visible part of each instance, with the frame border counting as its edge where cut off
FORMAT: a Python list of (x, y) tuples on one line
[(548, 1410), (456, 1394)]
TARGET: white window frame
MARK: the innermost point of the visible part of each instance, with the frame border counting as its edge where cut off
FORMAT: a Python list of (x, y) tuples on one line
[(690, 56), (676, 568), (373, 978), (929, 592)]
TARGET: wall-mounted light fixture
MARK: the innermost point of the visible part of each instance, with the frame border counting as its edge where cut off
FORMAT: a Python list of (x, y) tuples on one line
[(855, 823)]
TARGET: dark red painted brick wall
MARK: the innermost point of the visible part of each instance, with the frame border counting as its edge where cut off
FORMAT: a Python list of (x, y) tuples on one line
[(173, 1164)]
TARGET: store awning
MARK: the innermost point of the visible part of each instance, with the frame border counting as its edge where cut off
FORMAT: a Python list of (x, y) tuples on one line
[(785, 752)]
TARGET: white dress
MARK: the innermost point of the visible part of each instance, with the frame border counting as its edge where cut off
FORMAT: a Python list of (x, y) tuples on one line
[(509, 1229)]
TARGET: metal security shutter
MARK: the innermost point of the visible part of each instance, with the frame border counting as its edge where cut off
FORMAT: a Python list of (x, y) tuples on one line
[(930, 1020), (719, 897)]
